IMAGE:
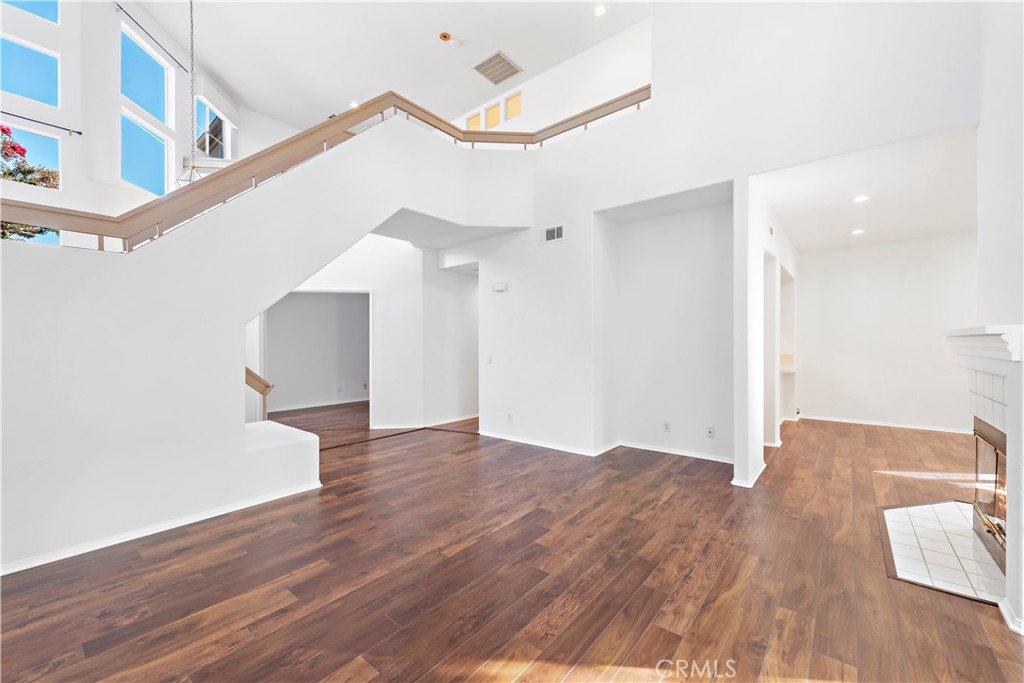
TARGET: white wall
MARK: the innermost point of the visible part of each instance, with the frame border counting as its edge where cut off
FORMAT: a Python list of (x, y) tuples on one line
[(672, 302), (1000, 167), (613, 67), (872, 344), (450, 340), (318, 350)]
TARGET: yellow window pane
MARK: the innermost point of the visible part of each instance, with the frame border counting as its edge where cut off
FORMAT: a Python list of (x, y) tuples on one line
[(473, 122), (514, 106), (493, 116)]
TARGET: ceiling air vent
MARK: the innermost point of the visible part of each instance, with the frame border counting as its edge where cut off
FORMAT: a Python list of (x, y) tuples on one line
[(553, 234), (497, 68)]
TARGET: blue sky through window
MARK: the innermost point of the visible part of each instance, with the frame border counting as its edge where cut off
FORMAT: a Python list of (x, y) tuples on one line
[(40, 150), (143, 157), (47, 9), (143, 79), (26, 72)]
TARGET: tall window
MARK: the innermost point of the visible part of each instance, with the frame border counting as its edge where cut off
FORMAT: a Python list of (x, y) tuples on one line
[(143, 156), (143, 78), (29, 72), (47, 9), (212, 131)]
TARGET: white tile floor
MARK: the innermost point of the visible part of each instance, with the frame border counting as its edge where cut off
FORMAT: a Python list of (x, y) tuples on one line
[(935, 545)]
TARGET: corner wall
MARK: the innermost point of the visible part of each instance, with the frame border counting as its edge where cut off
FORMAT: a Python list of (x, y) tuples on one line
[(872, 345)]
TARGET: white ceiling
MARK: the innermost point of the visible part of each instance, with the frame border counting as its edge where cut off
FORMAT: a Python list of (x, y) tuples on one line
[(922, 187), (299, 62), (688, 200), (428, 232)]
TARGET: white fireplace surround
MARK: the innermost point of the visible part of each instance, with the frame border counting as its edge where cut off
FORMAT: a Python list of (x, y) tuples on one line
[(996, 350)]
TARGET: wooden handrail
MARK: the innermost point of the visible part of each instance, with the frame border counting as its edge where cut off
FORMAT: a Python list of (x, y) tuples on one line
[(262, 387), (153, 219)]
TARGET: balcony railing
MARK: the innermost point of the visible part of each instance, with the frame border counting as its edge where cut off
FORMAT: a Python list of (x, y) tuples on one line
[(154, 219)]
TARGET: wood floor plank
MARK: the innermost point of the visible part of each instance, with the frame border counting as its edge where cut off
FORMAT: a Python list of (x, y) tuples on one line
[(447, 556), (788, 657), (974, 663)]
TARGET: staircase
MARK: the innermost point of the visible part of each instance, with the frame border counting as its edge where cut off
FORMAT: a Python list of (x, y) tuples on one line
[(121, 369)]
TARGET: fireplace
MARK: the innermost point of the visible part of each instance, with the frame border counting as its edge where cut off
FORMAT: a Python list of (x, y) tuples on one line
[(990, 489)]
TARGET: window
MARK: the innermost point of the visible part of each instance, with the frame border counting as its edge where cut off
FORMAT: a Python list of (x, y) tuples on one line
[(514, 106), (493, 115), (211, 131), (31, 158), (143, 78), (48, 10), (473, 122), (28, 73), (143, 156)]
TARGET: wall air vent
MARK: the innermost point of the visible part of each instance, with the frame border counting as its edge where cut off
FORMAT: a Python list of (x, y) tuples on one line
[(497, 68), (553, 234)]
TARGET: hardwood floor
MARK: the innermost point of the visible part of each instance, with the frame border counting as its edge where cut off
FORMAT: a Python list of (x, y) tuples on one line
[(468, 426), (338, 425), (445, 556)]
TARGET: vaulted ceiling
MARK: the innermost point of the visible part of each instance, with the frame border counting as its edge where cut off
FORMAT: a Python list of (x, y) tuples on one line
[(299, 62)]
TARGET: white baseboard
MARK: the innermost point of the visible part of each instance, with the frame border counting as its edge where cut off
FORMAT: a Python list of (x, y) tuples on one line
[(604, 449), (1014, 621), (777, 444), (898, 425), (749, 483), (675, 451), (542, 444), (81, 548)]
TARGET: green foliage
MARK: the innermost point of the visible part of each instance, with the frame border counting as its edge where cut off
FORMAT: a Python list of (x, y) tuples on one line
[(14, 167)]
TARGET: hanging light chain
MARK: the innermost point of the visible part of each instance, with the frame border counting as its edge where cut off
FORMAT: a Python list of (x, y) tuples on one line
[(192, 78)]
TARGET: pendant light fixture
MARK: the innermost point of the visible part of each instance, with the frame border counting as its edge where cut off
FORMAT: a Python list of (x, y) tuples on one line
[(191, 173)]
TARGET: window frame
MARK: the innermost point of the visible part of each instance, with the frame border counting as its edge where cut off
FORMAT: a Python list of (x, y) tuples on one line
[(28, 45), (226, 127), (167, 127), (509, 98), (168, 141), (60, 153), (39, 16)]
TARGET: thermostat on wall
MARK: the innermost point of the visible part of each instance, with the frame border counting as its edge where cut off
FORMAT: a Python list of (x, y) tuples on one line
[(499, 286)]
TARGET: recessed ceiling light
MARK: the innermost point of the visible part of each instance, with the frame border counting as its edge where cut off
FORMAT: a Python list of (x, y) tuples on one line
[(857, 231), (599, 11), (860, 198), (353, 104)]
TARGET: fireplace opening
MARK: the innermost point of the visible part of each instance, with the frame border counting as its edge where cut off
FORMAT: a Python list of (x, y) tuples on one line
[(990, 489)]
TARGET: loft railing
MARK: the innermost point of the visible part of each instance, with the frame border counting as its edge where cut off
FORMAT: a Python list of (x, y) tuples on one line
[(261, 386), (153, 219)]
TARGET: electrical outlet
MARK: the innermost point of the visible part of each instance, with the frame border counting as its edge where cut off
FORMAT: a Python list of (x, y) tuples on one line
[(508, 418), (710, 432), (668, 426)]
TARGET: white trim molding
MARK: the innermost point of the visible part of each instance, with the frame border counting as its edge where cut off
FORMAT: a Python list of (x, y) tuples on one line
[(1000, 342), (749, 483), (897, 425), (542, 444), (1014, 621), (71, 551)]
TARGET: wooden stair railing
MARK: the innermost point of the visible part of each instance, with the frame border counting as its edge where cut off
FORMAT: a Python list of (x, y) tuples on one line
[(151, 220), (262, 387)]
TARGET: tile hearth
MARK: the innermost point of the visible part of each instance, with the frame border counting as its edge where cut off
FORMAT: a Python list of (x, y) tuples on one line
[(935, 545)]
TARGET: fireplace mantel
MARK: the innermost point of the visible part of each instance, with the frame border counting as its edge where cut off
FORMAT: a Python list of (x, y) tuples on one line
[(999, 342)]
